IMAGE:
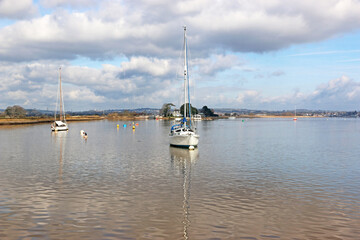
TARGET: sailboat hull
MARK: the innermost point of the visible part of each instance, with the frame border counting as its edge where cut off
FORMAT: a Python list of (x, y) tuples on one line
[(184, 140), (59, 126), (59, 129)]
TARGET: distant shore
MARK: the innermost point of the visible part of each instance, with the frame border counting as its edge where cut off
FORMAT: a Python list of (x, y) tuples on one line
[(34, 120), (275, 116), (243, 116)]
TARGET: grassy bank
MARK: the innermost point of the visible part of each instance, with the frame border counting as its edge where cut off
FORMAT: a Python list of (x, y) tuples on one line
[(34, 120)]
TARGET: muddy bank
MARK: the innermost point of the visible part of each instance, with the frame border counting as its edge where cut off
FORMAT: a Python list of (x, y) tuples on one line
[(20, 121)]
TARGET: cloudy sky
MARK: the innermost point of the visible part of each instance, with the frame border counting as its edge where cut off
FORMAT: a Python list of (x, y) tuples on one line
[(114, 54)]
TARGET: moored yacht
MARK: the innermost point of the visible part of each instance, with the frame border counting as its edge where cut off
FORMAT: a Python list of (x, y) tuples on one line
[(60, 125), (184, 134)]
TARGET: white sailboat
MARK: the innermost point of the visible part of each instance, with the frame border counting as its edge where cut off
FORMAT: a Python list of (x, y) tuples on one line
[(197, 117), (295, 118), (60, 125), (184, 133)]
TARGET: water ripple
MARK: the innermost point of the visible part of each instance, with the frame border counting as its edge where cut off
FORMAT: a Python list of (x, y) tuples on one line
[(271, 180)]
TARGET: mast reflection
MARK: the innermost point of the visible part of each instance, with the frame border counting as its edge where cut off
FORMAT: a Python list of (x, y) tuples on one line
[(59, 139), (183, 160)]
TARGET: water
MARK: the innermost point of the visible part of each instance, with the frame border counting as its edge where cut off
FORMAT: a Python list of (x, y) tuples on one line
[(257, 179)]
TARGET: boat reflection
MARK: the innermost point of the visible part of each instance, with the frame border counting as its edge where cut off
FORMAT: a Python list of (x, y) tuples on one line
[(60, 139), (184, 154), (183, 160)]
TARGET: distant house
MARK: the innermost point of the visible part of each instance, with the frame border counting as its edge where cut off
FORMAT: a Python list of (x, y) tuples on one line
[(198, 117), (176, 114)]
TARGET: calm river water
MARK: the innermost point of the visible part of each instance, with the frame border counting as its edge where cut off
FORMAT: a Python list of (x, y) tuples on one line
[(257, 179)]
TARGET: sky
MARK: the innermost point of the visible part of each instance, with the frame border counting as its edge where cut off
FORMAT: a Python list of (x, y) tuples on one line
[(118, 54)]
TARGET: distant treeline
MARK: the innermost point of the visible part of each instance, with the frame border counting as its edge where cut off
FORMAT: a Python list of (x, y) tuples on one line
[(167, 110), (17, 111)]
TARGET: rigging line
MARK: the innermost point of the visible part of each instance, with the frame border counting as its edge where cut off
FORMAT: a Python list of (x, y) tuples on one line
[(57, 98), (190, 70), (63, 106), (190, 75), (187, 78), (188, 90), (177, 77), (123, 73)]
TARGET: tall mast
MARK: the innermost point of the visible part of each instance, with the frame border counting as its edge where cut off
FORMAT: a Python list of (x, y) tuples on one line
[(61, 102), (185, 74)]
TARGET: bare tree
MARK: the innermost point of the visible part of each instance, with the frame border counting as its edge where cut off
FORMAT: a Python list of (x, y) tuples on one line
[(15, 112), (165, 109)]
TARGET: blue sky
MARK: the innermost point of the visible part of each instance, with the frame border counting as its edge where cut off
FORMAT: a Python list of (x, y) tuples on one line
[(259, 54)]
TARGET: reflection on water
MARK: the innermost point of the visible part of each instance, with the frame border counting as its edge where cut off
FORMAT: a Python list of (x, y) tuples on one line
[(183, 159), (59, 139), (258, 179)]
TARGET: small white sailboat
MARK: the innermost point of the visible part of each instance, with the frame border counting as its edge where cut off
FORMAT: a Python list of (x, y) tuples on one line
[(197, 117), (60, 125), (184, 133), (295, 118)]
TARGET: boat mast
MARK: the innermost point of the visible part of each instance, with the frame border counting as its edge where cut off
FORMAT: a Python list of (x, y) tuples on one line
[(61, 102), (185, 75)]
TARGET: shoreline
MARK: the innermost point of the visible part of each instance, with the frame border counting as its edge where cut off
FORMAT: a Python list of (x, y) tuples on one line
[(277, 116), (22, 121)]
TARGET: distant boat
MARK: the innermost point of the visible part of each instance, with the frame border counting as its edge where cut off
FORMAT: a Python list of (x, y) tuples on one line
[(197, 117), (295, 116), (60, 125), (184, 134), (232, 117)]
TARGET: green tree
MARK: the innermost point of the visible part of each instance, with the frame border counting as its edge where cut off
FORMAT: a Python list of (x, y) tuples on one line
[(165, 109), (193, 110), (208, 112), (15, 111)]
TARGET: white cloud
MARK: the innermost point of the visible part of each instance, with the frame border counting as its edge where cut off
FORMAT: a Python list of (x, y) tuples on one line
[(337, 94), (149, 35), (110, 84), (35, 84), (152, 66), (84, 95), (67, 3), (216, 63), (16, 95), (147, 28), (248, 95), (18, 9)]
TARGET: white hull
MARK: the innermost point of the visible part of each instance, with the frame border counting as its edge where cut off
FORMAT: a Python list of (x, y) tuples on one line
[(184, 140), (59, 126)]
